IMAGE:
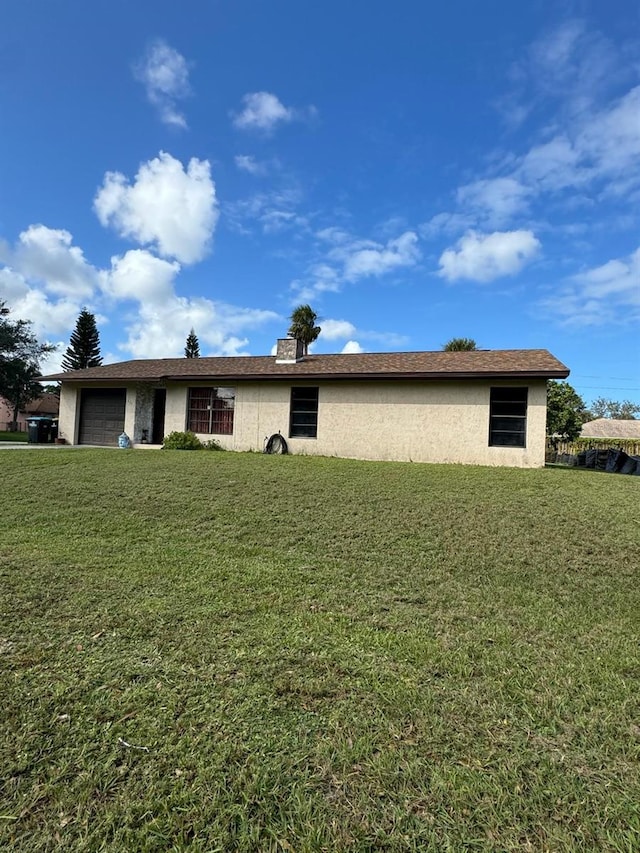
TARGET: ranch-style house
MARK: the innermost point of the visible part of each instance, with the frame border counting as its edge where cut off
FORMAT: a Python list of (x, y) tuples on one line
[(486, 407)]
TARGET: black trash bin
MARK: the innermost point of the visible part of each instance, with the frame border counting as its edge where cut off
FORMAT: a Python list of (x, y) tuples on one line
[(32, 430), (39, 430)]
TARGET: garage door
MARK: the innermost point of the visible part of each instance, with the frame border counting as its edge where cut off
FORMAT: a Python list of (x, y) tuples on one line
[(102, 415)]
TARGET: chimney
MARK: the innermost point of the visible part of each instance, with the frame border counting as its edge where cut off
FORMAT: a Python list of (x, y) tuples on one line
[(289, 351)]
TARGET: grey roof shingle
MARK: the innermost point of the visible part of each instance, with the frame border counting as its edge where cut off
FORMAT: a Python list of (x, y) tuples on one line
[(538, 363), (611, 428)]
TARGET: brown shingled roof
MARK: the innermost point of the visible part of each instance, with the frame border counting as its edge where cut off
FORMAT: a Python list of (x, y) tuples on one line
[(537, 363)]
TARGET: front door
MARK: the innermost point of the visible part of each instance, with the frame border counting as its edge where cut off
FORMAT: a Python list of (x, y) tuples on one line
[(159, 403)]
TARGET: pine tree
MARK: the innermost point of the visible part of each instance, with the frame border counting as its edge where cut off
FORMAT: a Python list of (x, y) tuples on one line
[(192, 349), (84, 344)]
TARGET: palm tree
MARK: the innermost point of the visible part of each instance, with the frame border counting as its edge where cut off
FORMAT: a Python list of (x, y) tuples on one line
[(303, 326), (460, 345)]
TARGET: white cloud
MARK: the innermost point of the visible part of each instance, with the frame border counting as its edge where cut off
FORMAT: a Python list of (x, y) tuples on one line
[(160, 329), (610, 142), (248, 163), (552, 166), (446, 223), (603, 147), (495, 200), (606, 294), (167, 207), (570, 62), (350, 259), (262, 111), (50, 318), (139, 275), (367, 258), (165, 75), (275, 211), (334, 235), (334, 329), (158, 325), (48, 256), (484, 257), (616, 278), (569, 65), (13, 285), (274, 221), (593, 153), (48, 282), (352, 347)]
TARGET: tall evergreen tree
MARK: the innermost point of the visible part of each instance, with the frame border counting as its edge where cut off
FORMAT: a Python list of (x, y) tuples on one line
[(192, 349), (84, 344), (303, 326)]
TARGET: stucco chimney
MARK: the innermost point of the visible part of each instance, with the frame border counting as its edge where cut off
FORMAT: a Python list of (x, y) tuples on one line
[(289, 351)]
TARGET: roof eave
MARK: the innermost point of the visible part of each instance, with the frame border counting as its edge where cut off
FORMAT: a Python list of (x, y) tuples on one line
[(255, 377)]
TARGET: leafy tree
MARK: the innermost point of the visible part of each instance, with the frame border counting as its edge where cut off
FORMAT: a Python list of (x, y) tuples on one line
[(303, 326), (566, 411), (20, 386), (460, 345), (624, 410), (17, 340), (20, 353), (84, 344), (192, 349)]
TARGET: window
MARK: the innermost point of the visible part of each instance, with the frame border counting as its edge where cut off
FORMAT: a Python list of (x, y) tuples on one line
[(304, 413), (211, 410), (508, 417)]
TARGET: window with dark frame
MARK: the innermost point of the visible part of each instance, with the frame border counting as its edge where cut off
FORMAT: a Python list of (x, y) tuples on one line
[(210, 410), (508, 417), (303, 421)]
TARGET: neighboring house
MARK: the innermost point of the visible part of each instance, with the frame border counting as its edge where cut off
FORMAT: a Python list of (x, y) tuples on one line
[(610, 428), (46, 405), (484, 407)]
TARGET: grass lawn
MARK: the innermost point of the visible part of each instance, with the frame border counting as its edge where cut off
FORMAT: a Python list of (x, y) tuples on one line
[(13, 436), (237, 652)]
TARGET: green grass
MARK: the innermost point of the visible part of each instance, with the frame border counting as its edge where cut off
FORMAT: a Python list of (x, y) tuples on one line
[(13, 436), (316, 654)]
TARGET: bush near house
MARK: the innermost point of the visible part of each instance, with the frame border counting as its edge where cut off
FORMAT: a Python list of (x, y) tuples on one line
[(189, 441), (272, 653), (181, 441)]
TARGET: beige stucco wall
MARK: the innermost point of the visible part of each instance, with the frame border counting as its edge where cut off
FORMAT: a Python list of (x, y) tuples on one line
[(401, 420), (419, 421), (69, 412)]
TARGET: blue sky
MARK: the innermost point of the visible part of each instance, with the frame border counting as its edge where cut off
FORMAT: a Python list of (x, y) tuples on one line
[(415, 171)]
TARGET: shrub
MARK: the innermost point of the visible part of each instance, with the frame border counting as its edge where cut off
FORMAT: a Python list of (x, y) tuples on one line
[(212, 444), (181, 441)]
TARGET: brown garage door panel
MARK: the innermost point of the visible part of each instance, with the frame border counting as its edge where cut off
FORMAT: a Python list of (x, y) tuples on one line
[(102, 415)]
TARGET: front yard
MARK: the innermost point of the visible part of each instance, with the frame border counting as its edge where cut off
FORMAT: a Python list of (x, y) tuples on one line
[(236, 652)]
